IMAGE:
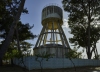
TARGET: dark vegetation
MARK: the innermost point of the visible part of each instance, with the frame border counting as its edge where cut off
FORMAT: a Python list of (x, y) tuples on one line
[(84, 19), (13, 33)]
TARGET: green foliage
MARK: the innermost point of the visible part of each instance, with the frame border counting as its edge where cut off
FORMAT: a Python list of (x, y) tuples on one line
[(25, 48), (24, 31), (74, 54), (12, 53), (13, 50), (45, 55), (19, 55), (81, 13), (8, 11)]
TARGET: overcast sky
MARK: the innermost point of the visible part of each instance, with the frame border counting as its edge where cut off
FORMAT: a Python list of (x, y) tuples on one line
[(34, 8)]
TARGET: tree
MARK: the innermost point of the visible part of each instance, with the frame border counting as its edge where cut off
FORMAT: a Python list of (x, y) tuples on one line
[(25, 46), (22, 29), (84, 16), (74, 54), (8, 10), (8, 39), (10, 54)]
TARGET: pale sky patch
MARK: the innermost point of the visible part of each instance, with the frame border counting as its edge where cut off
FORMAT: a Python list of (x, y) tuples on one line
[(65, 23)]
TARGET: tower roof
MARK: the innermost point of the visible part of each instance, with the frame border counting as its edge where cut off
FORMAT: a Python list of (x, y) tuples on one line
[(52, 11)]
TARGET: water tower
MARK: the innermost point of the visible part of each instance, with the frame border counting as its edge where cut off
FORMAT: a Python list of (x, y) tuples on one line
[(52, 38)]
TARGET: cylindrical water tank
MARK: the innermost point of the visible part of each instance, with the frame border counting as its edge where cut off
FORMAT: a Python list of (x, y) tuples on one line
[(52, 13)]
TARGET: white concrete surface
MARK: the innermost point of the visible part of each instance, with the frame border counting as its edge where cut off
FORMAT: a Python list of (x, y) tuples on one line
[(52, 63)]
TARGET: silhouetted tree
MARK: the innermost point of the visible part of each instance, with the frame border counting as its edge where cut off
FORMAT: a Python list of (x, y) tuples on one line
[(83, 20), (8, 39)]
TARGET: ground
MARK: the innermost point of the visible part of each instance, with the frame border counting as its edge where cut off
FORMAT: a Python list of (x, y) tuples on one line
[(20, 69)]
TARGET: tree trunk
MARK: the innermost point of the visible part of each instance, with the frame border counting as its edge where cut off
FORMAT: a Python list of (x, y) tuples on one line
[(1, 62), (8, 39), (12, 64), (17, 34), (95, 51), (89, 53)]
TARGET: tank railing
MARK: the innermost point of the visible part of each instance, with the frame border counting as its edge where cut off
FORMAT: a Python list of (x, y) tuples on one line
[(52, 4)]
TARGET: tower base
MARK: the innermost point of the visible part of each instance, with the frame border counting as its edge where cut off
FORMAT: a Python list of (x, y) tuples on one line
[(57, 50)]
